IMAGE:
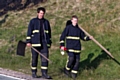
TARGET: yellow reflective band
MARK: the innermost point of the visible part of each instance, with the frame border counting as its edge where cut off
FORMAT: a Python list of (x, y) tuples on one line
[(44, 67), (33, 67), (46, 31), (85, 37), (67, 68), (35, 31), (28, 37), (73, 71), (35, 45), (62, 41), (76, 51), (66, 64), (70, 37)]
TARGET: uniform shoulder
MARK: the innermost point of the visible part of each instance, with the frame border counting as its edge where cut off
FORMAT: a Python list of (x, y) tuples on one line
[(68, 26), (33, 19), (46, 20)]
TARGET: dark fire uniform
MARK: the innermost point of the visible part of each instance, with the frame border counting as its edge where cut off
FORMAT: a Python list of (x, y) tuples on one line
[(71, 36), (39, 35)]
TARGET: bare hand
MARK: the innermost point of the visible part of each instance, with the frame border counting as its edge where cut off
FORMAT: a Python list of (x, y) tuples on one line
[(28, 44), (91, 37)]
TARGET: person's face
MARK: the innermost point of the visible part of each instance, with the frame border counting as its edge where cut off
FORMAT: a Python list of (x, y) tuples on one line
[(74, 21), (40, 14)]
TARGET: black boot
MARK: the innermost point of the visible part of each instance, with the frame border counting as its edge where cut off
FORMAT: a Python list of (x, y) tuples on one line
[(44, 75), (34, 75), (73, 75), (67, 72)]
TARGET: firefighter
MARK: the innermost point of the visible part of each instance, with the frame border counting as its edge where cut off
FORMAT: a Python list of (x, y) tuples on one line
[(39, 37), (71, 37)]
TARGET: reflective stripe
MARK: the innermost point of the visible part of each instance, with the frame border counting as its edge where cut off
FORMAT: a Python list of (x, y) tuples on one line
[(70, 37), (73, 71), (66, 64), (72, 50), (67, 68), (35, 31), (46, 31), (85, 37), (43, 67), (33, 67), (62, 41), (28, 37), (35, 45)]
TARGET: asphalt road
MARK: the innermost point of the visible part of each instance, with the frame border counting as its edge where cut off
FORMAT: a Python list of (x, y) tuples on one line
[(6, 77)]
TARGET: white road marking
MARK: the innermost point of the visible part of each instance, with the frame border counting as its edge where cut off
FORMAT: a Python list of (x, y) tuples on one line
[(11, 77)]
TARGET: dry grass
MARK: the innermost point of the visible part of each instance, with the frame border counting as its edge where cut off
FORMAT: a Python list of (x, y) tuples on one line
[(3, 42), (101, 18)]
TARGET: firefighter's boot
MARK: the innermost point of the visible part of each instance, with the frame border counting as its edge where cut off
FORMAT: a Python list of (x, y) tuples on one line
[(73, 75), (67, 72), (34, 75), (44, 75)]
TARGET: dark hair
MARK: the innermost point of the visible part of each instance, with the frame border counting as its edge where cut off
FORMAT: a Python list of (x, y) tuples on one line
[(74, 16), (40, 8)]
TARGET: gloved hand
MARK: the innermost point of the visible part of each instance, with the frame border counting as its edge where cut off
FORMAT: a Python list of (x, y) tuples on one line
[(62, 49)]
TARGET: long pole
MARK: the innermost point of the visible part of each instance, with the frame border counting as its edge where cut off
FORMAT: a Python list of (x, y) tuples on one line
[(40, 54), (97, 43)]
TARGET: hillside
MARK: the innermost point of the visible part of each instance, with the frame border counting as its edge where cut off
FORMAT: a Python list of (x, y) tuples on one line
[(100, 18)]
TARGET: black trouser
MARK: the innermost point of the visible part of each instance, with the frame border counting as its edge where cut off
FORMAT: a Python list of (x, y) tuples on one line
[(44, 63), (73, 62)]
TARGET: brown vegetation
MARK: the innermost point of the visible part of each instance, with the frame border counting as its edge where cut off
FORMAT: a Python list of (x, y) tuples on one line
[(8, 5)]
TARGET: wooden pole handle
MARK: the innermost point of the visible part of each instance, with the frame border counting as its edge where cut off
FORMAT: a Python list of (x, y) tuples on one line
[(40, 54), (97, 42)]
